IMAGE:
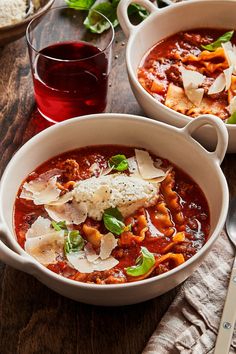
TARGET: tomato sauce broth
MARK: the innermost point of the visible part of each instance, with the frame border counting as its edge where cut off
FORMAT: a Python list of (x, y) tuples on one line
[(191, 203), (160, 65)]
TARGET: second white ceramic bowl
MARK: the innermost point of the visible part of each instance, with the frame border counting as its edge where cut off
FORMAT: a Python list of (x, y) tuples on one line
[(169, 142), (163, 23)]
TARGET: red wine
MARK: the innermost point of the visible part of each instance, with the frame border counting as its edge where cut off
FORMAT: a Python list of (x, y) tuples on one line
[(73, 84)]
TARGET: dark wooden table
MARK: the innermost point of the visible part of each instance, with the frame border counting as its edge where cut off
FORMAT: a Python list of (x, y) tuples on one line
[(34, 319)]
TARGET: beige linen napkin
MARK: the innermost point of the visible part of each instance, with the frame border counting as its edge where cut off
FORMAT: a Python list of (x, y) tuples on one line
[(191, 323)]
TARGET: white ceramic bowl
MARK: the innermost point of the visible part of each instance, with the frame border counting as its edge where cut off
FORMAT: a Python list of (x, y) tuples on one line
[(163, 23), (169, 142)]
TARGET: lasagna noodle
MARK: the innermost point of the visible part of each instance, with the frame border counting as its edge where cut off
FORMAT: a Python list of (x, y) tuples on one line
[(178, 101), (211, 61)]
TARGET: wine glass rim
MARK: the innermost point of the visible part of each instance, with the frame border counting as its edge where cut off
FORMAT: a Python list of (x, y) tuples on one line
[(69, 60)]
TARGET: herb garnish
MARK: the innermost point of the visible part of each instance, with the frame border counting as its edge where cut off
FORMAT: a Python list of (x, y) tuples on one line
[(108, 8), (113, 221), (119, 163), (58, 226), (226, 37), (74, 242), (143, 263)]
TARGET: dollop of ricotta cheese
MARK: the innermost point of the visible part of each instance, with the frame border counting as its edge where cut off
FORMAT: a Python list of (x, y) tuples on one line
[(124, 192)]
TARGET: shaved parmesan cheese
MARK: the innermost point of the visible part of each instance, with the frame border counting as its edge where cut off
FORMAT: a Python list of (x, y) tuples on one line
[(84, 266), (64, 199), (106, 171), (88, 260), (90, 253), (41, 191), (105, 264), (195, 95), (46, 248), (223, 81), (40, 227), (218, 85), (146, 165), (79, 263), (230, 54), (108, 243), (191, 79), (71, 213), (228, 77)]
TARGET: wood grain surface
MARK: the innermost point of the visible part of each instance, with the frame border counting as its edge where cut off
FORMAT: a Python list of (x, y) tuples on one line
[(34, 319)]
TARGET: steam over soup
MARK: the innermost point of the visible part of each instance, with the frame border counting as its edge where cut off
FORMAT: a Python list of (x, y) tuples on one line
[(110, 215), (193, 73)]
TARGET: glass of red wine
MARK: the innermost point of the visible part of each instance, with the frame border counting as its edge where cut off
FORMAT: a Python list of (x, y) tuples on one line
[(70, 64)]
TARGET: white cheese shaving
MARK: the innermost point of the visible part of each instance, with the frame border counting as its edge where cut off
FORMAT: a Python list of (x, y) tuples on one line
[(90, 253), (105, 171), (71, 213), (228, 77), (84, 266), (89, 261), (230, 54), (63, 199), (41, 190), (191, 81), (195, 95), (146, 166), (108, 243), (40, 227), (222, 82), (46, 248), (115, 190), (218, 85)]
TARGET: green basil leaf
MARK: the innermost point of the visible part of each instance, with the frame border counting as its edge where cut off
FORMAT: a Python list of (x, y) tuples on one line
[(119, 162), (232, 119), (135, 9), (80, 4), (226, 37), (143, 263), (58, 226), (113, 221), (74, 242), (96, 23)]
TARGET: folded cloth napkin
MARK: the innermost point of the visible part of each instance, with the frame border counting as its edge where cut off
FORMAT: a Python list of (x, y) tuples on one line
[(192, 321)]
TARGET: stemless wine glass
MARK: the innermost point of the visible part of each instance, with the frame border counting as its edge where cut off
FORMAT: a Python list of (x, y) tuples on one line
[(70, 64)]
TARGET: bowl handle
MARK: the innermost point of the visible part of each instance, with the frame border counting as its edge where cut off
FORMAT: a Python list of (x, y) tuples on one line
[(15, 260), (221, 131), (122, 13)]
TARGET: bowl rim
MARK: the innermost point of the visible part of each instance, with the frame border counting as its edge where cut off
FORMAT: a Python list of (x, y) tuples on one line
[(25, 21), (163, 12), (44, 271)]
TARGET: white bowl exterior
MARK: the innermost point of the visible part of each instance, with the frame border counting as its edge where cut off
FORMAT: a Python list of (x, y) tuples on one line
[(181, 16), (163, 140)]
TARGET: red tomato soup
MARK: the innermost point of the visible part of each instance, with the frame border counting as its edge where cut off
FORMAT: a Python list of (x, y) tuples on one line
[(193, 72), (110, 215)]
